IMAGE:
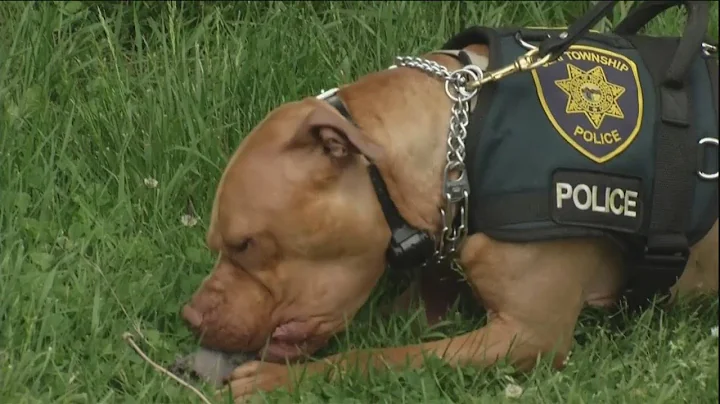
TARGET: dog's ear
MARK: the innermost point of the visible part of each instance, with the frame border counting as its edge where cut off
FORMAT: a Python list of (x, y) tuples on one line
[(337, 136)]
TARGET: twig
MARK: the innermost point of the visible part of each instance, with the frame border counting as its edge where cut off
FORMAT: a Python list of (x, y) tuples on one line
[(128, 337)]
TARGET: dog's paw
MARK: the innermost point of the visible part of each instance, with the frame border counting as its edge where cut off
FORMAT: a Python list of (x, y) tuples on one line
[(252, 377), (256, 376)]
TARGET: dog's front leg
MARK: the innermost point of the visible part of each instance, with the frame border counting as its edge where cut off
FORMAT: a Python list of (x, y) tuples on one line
[(533, 293), (480, 348)]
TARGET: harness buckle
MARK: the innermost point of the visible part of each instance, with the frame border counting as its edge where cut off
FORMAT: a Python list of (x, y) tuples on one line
[(456, 193), (666, 251), (665, 259), (655, 270), (458, 189)]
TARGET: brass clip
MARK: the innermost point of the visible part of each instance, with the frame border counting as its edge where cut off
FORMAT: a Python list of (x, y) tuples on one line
[(526, 62)]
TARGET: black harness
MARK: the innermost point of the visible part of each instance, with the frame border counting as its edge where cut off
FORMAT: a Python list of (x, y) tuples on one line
[(662, 235)]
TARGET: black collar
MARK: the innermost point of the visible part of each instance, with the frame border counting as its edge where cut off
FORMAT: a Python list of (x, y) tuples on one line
[(409, 247)]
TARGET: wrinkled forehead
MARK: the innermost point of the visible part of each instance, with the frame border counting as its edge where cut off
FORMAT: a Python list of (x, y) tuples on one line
[(276, 129), (253, 186), (259, 179), (258, 158)]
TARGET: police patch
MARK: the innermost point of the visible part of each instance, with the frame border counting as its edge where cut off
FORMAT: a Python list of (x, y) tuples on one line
[(593, 99), (599, 200)]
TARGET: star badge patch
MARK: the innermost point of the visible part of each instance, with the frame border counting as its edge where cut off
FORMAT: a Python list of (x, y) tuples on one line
[(593, 99)]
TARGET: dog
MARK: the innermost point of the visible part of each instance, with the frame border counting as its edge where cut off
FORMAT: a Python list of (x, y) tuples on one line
[(301, 240)]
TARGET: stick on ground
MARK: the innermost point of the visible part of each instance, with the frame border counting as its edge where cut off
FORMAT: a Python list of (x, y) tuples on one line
[(129, 339)]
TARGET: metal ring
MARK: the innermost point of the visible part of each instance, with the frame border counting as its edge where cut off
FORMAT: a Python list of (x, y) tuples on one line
[(460, 79), (464, 72), (526, 45), (480, 76), (325, 94), (455, 165), (522, 42), (708, 49), (713, 142)]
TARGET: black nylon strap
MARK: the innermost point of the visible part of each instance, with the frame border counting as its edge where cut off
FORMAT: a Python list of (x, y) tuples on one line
[(692, 37), (538, 35), (392, 216), (509, 209), (674, 166), (337, 103), (391, 213), (712, 66), (558, 45), (667, 247), (668, 61), (498, 213)]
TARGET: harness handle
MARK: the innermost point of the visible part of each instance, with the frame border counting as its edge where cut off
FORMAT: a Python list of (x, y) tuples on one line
[(558, 45), (690, 42)]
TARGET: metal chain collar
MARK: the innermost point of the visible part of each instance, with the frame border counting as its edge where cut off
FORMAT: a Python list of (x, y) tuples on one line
[(456, 188)]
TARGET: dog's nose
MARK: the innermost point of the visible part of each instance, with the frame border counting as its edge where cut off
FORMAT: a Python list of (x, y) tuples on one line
[(191, 316)]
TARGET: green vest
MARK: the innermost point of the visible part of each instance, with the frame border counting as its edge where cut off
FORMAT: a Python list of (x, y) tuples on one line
[(572, 149), (540, 143)]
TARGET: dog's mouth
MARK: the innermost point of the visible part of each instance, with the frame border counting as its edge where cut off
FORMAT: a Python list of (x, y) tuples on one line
[(215, 366), (280, 349), (209, 365)]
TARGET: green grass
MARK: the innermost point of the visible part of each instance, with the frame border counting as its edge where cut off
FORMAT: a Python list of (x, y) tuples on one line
[(92, 104)]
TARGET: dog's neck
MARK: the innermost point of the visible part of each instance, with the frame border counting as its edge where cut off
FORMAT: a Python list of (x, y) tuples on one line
[(407, 112)]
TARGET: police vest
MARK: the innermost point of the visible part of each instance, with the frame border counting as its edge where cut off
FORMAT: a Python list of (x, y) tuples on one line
[(593, 144)]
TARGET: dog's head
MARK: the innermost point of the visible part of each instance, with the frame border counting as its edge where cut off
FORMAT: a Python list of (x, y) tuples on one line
[(299, 235)]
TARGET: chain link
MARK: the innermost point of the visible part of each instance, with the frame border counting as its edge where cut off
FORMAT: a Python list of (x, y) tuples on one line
[(456, 188), (428, 66)]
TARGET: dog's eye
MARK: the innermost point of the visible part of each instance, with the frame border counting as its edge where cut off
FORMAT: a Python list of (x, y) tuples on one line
[(243, 245)]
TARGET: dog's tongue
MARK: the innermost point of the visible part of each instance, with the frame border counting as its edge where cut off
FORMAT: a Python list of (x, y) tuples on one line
[(286, 342), (278, 351), (290, 333)]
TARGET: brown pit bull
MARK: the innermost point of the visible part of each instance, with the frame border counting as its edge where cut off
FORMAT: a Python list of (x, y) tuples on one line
[(301, 241)]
